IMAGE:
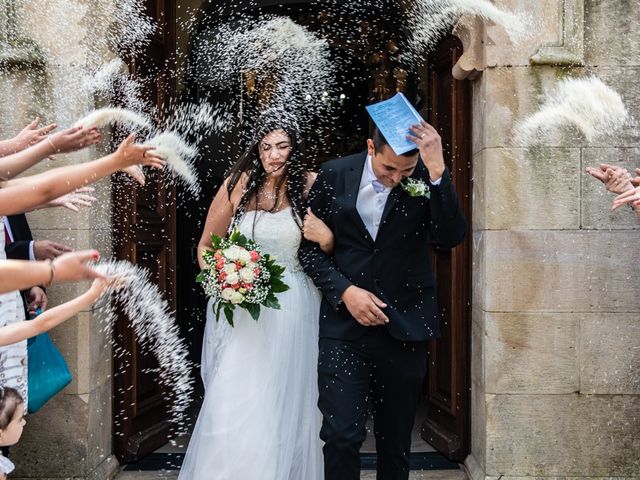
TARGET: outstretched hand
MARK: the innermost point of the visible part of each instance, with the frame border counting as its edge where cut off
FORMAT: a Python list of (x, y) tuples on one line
[(80, 197), (130, 154), (74, 138), (32, 134), (73, 266), (615, 179), (631, 196)]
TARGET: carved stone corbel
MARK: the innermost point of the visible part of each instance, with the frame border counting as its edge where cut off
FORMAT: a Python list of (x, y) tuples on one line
[(470, 30), (570, 51)]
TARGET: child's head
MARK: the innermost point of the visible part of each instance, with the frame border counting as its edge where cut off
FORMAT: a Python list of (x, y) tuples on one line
[(11, 416)]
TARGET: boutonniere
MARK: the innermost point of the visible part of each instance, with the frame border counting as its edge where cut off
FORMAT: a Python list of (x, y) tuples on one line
[(416, 188)]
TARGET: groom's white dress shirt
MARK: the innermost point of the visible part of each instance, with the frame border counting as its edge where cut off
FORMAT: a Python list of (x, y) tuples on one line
[(370, 203), (372, 197)]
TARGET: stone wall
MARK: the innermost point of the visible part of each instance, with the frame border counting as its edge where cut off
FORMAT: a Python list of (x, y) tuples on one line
[(71, 435), (556, 313)]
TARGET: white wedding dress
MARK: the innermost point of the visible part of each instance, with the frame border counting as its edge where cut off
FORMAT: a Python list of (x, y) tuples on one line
[(259, 419)]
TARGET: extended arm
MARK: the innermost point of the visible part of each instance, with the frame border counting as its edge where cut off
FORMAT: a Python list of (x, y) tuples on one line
[(21, 274), (17, 332), (29, 135), (62, 142), (23, 194)]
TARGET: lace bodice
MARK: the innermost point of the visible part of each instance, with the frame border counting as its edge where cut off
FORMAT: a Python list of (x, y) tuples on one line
[(277, 233)]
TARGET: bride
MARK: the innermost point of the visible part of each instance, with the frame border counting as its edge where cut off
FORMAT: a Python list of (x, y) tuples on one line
[(259, 419)]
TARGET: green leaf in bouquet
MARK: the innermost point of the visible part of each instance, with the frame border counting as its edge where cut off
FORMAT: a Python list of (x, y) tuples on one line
[(276, 270), (278, 286), (271, 302), (253, 309), (228, 313), (216, 310), (202, 276), (216, 242)]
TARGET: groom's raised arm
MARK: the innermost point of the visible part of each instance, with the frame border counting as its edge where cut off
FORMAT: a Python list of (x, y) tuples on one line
[(448, 225), (317, 264)]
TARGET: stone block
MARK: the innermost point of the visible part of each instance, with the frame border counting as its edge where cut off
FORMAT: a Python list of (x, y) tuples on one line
[(478, 219), (478, 273), (561, 271), (563, 435), (609, 353), (596, 201), (512, 94), (531, 353), (99, 439), (528, 188), (544, 26), (478, 336), (478, 425), (54, 443), (611, 33)]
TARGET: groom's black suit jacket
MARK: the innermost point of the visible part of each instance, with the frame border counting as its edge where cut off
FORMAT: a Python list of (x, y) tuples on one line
[(396, 266), (19, 248)]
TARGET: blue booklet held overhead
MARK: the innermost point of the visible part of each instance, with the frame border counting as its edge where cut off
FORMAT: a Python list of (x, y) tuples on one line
[(393, 118)]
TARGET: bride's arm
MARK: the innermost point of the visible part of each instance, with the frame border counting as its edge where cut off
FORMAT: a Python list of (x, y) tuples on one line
[(218, 221), (314, 229)]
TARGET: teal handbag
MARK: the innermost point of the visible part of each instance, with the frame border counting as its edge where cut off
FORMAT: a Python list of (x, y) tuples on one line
[(47, 371)]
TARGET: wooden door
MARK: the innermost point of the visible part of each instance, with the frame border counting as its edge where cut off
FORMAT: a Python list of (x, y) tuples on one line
[(447, 426), (144, 234)]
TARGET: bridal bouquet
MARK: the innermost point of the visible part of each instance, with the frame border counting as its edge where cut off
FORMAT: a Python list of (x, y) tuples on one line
[(240, 274)]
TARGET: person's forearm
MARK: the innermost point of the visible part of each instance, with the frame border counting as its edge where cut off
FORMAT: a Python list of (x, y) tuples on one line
[(17, 332), (23, 194), (23, 274), (7, 147), (16, 163)]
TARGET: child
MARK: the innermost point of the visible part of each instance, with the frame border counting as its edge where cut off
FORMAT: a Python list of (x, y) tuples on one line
[(16, 332), (11, 424)]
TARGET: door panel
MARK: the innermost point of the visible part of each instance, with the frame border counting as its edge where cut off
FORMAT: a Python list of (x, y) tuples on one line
[(447, 426), (144, 234)]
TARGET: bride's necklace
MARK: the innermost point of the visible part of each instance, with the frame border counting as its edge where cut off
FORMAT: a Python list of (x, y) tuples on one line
[(270, 196)]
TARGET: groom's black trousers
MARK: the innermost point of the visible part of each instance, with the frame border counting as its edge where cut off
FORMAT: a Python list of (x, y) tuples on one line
[(376, 369)]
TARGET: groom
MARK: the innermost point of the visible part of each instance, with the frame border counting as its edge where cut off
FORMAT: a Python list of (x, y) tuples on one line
[(379, 295)]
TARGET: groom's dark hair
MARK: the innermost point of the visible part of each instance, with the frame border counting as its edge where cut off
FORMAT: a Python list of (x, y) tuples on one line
[(379, 142)]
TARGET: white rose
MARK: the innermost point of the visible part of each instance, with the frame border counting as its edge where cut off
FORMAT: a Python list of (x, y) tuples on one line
[(230, 295), (232, 253), (247, 275), (244, 256), (252, 265), (227, 294), (232, 278), (230, 268), (237, 298)]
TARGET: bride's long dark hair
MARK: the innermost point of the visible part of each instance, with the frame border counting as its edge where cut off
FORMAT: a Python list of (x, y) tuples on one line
[(293, 179)]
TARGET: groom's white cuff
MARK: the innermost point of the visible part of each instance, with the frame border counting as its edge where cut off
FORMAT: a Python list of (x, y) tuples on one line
[(436, 182)]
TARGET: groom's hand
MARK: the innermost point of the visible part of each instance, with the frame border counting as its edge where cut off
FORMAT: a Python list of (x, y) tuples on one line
[(364, 306), (430, 145)]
